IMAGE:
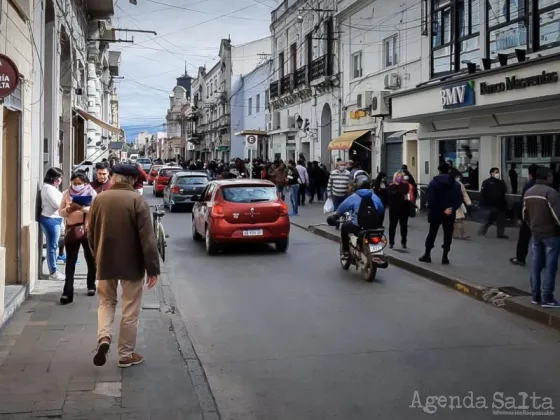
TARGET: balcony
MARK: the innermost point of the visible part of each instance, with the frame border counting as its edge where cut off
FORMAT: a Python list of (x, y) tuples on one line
[(300, 77), (319, 67), (287, 84), (274, 91)]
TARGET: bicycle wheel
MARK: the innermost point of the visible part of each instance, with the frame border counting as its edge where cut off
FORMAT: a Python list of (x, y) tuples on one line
[(161, 242)]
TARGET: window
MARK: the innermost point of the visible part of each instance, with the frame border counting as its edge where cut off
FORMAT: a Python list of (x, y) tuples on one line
[(465, 155), (207, 90), (390, 48), (455, 42), (258, 103), (280, 65), (549, 23), (250, 106), (192, 180), (293, 57), (357, 65), (507, 26), (246, 194), (211, 89)]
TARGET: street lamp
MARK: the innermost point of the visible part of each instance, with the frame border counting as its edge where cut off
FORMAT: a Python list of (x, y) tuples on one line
[(299, 122)]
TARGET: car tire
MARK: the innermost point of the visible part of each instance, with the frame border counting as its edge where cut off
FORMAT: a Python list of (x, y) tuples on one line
[(211, 247), (195, 235), (282, 245)]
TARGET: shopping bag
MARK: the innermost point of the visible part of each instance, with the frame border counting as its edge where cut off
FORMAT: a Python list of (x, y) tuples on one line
[(328, 207)]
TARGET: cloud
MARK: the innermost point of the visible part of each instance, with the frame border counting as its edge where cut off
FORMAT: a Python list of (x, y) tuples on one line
[(152, 63)]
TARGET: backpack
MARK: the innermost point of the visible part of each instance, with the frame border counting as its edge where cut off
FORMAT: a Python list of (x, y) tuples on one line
[(368, 216)]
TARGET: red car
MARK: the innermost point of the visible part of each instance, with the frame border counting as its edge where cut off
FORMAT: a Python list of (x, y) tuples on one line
[(162, 179), (238, 211), (153, 173)]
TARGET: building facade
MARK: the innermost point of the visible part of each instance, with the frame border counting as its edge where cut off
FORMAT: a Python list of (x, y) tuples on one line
[(248, 111)]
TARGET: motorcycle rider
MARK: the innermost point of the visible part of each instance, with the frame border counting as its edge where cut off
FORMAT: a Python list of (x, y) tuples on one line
[(352, 204)]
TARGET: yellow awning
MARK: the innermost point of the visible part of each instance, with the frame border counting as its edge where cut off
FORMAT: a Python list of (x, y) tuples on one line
[(345, 141), (100, 123)]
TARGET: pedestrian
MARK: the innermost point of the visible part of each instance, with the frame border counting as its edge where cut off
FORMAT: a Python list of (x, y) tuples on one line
[(459, 228), (279, 175), (76, 216), (303, 182), (142, 177), (524, 231), (401, 200), (541, 211), (410, 179), (443, 198), (380, 187), (339, 181), (103, 181), (50, 219), (493, 198), (293, 185), (513, 178), (322, 181), (122, 238)]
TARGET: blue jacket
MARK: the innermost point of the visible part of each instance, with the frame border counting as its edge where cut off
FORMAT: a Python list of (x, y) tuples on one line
[(352, 204), (443, 193)]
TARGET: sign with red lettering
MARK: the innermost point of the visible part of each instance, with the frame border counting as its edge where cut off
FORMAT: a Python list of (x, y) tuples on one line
[(9, 76)]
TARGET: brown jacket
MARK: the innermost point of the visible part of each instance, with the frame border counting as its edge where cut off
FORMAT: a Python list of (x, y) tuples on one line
[(121, 235)]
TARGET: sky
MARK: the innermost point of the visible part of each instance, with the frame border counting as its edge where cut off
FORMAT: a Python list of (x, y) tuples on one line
[(188, 33)]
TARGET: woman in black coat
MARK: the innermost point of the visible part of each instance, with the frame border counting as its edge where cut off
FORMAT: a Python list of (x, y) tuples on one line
[(400, 201)]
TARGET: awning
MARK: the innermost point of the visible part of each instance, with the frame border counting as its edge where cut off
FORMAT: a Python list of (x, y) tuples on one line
[(397, 137), (251, 133), (345, 141), (100, 123)]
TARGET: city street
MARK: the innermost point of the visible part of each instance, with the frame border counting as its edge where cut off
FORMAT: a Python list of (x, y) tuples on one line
[(292, 336)]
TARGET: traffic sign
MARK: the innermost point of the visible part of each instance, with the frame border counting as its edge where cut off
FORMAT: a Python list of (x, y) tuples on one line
[(251, 142)]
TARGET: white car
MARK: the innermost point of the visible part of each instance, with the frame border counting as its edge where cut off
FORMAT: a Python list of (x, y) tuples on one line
[(146, 163)]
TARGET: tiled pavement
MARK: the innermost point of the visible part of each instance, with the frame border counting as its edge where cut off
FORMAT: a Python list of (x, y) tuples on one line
[(46, 368)]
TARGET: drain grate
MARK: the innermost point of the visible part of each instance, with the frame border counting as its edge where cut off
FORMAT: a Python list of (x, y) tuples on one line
[(513, 291)]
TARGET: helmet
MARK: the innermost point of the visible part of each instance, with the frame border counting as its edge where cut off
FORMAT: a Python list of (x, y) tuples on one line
[(363, 182)]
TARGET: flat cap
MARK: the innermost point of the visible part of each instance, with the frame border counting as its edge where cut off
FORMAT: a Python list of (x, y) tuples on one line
[(126, 170)]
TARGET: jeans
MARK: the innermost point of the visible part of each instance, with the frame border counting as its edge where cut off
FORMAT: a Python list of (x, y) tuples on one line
[(337, 201), (72, 251), (301, 194), (294, 191), (280, 190), (545, 255), (396, 218), (51, 227), (495, 215), (322, 193)]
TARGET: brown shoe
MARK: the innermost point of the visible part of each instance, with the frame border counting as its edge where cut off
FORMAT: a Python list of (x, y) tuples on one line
[(133, 359), (103, 347)]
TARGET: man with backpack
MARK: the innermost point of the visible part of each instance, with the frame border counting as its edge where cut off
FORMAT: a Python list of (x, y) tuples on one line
[(366, 208)]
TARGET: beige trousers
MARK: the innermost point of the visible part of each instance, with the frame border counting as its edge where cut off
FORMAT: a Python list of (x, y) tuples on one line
[(131, 305)]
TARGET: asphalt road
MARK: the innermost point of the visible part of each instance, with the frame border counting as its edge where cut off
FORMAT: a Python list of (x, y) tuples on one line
[(293, 337)]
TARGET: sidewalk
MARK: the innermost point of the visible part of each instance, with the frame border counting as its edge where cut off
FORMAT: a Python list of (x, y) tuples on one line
[(46, 368), (479, 266)]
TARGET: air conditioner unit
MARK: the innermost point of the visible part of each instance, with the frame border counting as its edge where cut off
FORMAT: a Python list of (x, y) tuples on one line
[(380, 104), (363, 100), (269, 126), (392, 81), (290, 121), (276, 120)]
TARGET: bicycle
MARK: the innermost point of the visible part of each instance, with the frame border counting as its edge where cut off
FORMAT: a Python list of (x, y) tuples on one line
[(161, 238)]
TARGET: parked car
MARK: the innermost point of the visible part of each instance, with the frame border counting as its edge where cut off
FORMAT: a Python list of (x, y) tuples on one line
[(153, 173), (133, 158), (240, 211), (145, 163), (184, 189), (162, 179)]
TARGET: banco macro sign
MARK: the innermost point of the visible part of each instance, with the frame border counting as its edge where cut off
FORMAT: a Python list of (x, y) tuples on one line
[(458, 96), (517, 83)]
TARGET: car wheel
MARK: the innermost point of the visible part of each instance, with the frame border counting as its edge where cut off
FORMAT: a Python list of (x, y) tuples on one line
[(211, 247), (195, 235), (282, 246)]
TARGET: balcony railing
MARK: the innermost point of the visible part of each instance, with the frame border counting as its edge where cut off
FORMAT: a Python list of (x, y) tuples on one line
[(274, 91), (301, 77), (287, 84), (319, 67)]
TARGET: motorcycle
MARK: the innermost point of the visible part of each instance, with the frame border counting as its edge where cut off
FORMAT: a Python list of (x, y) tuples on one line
[(366, 251)]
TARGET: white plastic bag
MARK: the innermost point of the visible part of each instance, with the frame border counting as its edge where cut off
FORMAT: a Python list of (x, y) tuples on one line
[(328, 207)]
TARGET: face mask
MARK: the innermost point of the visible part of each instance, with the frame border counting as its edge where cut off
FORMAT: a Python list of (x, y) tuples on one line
[(497, 176), (79, 187), (406, 178), (399, 179)]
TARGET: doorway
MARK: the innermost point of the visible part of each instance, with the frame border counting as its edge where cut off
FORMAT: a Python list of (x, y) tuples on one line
[(10, 232), (326, 135), (306, 150)]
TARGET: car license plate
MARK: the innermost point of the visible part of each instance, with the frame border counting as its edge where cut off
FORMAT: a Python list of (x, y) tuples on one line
[(254, 232), (375, 248)]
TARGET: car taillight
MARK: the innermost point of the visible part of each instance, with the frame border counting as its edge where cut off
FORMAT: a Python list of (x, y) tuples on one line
[(218, 211), (175, 190), (283, 209)]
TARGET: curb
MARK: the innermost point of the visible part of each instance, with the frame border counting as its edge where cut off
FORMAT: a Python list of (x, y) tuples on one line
[(518, 305)]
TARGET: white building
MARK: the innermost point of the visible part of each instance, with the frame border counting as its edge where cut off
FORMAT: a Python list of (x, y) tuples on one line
[(304, 90), (380, 53), (246, 57), (491, 91)]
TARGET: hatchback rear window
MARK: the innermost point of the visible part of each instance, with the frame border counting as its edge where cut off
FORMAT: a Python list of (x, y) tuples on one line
[(249, 194), (192, 180), (168, 172), (144, 161)]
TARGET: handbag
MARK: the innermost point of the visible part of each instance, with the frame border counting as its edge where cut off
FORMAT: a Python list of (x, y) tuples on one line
[(75, 233)]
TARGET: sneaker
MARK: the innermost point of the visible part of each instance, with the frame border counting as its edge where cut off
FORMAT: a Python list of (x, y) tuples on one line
[(536, 301), (58, 276), (425, 258), (515, 261), (551, 304), (133, 359), (100, 357), (61, 259), (91, 292)]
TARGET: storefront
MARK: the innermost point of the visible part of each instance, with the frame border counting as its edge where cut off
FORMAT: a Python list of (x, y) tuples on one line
[(506, 117)]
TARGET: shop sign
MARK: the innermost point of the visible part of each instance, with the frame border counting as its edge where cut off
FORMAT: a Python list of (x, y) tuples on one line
[(357, 114), (458, 96), (222, 149), (514, 83), (9, 76)]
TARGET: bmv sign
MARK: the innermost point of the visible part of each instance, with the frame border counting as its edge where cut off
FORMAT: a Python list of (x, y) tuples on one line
[(458, 96)]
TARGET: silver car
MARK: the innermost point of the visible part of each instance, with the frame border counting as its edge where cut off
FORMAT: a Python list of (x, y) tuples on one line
[(183, 189), (145, 163)]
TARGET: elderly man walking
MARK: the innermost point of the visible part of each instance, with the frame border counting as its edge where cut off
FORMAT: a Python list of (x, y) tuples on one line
[(122, 239)]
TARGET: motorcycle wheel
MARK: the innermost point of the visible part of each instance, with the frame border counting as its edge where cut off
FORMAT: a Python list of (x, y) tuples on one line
[(369, 271), (344, 261)]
